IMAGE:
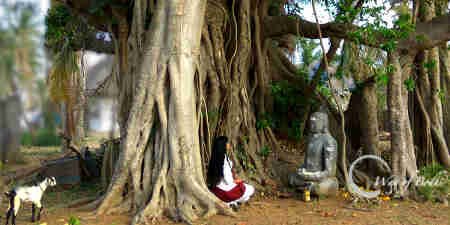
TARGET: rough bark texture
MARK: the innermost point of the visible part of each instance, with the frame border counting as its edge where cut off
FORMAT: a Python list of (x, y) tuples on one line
[(428, 114), (403, 156), (395, 104), (444, 67), (363, 111), (81, 104), (445, 78), (167, 109), (191, 77)]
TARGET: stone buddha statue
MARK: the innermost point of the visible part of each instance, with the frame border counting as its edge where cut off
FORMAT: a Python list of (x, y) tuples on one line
[(318, 172)]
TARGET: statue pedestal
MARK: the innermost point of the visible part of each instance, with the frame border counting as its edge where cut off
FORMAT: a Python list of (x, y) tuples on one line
[(327, 187)]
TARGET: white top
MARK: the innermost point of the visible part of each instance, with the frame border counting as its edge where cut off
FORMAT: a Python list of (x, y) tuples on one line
[(227, 181)]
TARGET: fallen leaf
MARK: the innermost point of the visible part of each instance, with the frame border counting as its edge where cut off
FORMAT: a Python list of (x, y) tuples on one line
[(328, 214), (354, 214)]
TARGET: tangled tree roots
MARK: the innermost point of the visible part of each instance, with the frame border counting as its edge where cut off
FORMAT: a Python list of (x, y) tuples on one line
[(192, 84), (156, 172)]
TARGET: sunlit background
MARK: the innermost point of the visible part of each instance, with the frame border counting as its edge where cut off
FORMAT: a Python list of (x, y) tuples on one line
[(27, 115)]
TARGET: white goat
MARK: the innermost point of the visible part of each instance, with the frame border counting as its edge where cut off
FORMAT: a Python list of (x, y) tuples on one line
[(31, 194)]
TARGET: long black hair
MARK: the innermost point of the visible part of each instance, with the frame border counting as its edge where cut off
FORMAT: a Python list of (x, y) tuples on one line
[(215, 167)]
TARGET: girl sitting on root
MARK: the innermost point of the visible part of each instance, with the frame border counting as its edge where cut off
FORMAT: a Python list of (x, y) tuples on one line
[(220, 178)]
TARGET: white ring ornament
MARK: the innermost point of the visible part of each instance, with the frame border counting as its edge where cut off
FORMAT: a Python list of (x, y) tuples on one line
[(353, 188)]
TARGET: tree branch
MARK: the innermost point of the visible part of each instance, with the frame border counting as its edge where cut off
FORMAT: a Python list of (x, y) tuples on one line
[(427, 34)]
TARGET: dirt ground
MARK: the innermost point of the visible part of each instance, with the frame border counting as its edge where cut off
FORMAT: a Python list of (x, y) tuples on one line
[(281, 212), (261, 210)]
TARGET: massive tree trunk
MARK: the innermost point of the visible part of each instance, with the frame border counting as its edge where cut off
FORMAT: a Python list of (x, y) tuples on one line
[(194, 81), (363, 125), (159, 168), (402, 146)]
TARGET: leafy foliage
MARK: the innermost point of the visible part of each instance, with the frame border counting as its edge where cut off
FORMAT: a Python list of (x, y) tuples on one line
[(74, 221), (437, 182), (265, 121), (289, 107), (290, 103), (62, 77), (410, 84), (242, 156), (430, 65), (431, 171), (42, 137), (265, 151), (63, 28), (376, 27)]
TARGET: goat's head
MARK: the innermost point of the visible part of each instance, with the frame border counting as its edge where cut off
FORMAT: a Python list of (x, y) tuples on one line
[(51, 181)]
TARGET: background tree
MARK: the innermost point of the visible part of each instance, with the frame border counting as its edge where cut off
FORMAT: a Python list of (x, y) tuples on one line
[(18, 44)]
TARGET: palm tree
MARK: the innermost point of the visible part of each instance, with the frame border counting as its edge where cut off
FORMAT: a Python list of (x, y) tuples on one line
[(18, 51)]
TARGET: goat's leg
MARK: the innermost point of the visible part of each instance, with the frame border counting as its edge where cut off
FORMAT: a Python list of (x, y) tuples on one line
[(16, 209), (33, 211), (8, 214), (41, 207), (10, 211), (13, 219)]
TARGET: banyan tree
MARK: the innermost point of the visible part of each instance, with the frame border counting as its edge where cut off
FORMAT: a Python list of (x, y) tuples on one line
[(189, 70)]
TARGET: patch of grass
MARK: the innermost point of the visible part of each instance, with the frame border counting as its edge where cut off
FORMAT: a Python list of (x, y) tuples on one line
[(74, 221), (57, 197), (41, 151), (436, 186), (42, 137), (431, 171)]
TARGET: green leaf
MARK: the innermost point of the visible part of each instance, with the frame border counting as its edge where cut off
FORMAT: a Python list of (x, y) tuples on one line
[(420, 38), (390, 69), (265, 151), (410, 84), (382, 79), (389, 46), (431, 64)]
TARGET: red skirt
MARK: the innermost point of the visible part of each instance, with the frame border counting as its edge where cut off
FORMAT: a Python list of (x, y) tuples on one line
[(231, 195)]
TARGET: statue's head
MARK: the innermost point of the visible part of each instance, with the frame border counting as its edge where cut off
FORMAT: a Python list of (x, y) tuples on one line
[(319, 123)]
